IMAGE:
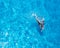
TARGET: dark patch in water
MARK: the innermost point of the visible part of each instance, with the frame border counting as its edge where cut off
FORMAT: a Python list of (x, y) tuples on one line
[(39, 30)]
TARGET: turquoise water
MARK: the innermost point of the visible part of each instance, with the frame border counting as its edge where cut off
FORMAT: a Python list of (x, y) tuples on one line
[(19, 29)]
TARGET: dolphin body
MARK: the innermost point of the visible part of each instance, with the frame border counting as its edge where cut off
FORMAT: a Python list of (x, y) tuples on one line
[(40, 22)]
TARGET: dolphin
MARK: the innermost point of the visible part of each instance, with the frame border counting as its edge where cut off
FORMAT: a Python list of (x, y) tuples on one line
[(40, 21)]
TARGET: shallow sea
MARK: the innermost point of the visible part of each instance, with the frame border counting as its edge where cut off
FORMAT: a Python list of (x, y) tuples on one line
[(19, 29)]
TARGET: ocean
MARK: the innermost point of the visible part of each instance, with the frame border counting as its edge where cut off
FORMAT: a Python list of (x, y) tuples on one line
[(19, 29)]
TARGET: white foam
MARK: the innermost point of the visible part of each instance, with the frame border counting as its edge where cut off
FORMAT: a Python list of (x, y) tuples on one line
[(34, 14)]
